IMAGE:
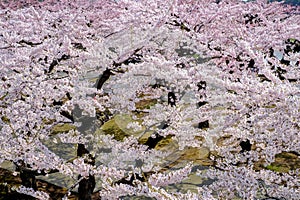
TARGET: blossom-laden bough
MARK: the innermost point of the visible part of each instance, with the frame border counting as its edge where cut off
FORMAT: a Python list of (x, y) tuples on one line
[(224, 75)]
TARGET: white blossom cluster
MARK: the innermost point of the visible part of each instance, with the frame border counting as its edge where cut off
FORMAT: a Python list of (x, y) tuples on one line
[(126, 154), (244, 55), (29, 191), (170, 178)]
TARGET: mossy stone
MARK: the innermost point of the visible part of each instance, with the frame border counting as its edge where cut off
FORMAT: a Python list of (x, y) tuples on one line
[(117, 127), (62, 128), (145, 103), (163, 143), (63, 150), (111, 128), (198, 155), (285, 162)]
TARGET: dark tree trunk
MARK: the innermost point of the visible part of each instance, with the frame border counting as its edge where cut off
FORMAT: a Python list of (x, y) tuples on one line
[(28, 178), (26, 174), (86, 185), (171, 99), (103, 78)]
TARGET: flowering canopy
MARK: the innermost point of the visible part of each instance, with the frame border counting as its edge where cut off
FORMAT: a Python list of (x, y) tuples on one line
[(224, 75)]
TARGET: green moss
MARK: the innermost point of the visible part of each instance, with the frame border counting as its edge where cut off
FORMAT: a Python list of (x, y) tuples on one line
[(61, 128), (2, 98), (145, 104), (164, 142), (117, 127), (111, 128), (292, 40), (143, 139), (196, 56), (270, 106), (198, 155), (285, 162), (277, 168), (64, 150), (5, 119), (231, 91)]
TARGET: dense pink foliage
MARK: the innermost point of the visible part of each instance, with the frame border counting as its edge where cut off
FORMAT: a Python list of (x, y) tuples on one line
[(53, 49)]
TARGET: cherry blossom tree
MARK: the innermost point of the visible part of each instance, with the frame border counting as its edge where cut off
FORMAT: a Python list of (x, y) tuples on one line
[(223, 75)]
